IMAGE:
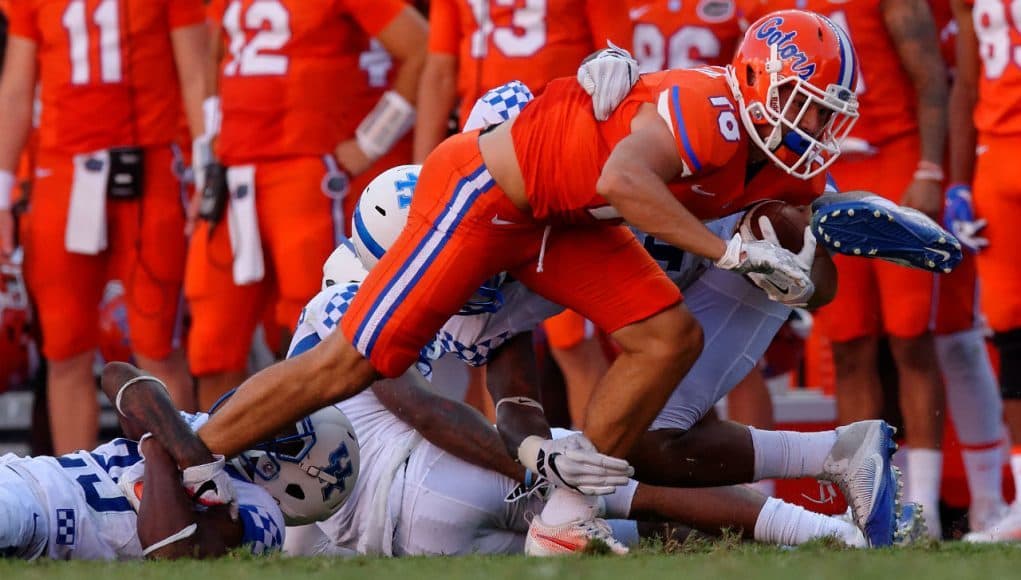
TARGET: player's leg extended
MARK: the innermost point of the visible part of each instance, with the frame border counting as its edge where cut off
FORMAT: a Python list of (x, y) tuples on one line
[(24, 525)]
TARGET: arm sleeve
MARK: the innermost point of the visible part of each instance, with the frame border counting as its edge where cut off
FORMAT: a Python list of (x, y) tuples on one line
[(186, 13), (444, 32), (22, 20), (609, 20), (375, 15)]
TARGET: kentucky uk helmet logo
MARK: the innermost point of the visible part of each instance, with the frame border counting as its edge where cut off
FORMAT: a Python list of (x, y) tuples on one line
[(786, 48)]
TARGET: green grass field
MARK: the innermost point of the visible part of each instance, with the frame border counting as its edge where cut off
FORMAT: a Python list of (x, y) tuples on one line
[(745, 562)]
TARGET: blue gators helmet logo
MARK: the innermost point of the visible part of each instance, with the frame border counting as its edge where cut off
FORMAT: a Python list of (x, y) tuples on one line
[(772, 33)]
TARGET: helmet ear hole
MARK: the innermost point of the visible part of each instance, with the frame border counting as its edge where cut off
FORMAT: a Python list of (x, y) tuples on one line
[(381, 211), (749, 73), (294, 490)]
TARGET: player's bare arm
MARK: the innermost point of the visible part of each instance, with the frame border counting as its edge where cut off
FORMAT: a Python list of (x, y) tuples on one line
[(913, 30), (512, 381), (437, 96), (166, 511), (448, 424), (405, 38), (963, 96), (191, 55), (17, 90), (147, 404), (634, 181)]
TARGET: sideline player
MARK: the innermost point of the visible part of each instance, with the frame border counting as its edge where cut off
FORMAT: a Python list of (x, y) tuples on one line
[(465, 228), (313, 106), (895, 151), (986, 133), (105, 201)]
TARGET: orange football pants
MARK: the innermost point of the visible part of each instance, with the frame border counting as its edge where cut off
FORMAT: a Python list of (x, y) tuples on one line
[(997, 195), (876, 297), (145, 250), (462, 230)]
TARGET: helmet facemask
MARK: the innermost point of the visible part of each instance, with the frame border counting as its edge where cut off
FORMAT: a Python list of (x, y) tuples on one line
[(812, 154)]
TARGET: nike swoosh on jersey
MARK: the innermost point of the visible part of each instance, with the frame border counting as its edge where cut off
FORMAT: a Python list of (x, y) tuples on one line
[(698, 189), (496, 221), (636, 13)]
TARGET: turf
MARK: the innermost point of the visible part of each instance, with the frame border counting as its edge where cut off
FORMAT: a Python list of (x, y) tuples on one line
[(744, 562)]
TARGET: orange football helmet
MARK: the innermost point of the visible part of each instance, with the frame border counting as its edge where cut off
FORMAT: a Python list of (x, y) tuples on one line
[(794, 66)]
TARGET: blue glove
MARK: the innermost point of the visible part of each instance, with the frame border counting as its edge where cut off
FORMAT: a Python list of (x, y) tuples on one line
[(959, 218)]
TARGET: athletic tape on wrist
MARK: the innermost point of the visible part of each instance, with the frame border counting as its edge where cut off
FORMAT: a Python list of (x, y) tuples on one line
[(124, 387), (185, 533), (211, 116), (7, 181), (385, 125)]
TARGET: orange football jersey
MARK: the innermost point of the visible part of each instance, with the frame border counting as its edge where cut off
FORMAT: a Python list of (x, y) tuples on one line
[(561, 149), (298, 76), (886, 96), (676, 34), (106, 69), (998, 28), (533, 41)]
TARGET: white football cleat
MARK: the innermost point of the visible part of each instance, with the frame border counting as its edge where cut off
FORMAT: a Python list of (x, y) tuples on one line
[(570, 538), (1007, 529), (983, 515), (860, 466)]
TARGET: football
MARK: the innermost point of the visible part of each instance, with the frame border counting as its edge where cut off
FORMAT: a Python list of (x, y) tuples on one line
[(788, 221)]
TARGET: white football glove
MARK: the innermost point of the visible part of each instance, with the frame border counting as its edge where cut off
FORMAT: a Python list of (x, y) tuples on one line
[(201, 156), (209, 485), (777, 287), (788, 278), (574, 462), (608, 76)]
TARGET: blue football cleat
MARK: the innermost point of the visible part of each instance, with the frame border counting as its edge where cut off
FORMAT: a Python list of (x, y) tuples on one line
[(911, 528), (861, 466), (866, 225)]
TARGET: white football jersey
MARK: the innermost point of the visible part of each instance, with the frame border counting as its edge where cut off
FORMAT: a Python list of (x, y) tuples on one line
[(365, 522), (89, 518)]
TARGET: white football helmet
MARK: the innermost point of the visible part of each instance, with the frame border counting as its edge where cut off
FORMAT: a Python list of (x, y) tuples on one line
[(343, 266), (309, 471), (382, 212)]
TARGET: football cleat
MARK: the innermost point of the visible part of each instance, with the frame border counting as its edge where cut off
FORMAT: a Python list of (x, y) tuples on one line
[(911, 527), (570, 538), (984, 514), (860, 466), (869, 226), (1007, 529)]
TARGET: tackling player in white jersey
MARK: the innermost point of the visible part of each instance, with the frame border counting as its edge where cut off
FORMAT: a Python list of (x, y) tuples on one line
[(417, 493)]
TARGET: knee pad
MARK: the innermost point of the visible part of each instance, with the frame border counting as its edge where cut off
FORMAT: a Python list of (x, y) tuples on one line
[(1009, 345)]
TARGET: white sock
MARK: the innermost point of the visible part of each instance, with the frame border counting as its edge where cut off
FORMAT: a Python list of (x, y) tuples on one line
[(787, 524), (766, 487), (973, 395), (565, 505), (789, 454), (924, 475), (984, 470), (1015, 470)]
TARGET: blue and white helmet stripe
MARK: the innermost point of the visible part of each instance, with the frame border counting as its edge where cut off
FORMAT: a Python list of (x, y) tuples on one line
[(848, 62)]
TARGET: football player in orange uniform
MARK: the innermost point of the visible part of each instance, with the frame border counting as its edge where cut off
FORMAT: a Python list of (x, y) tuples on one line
[(542, 196), (896, 151), (985, 109), (313, 107), (105, 201)]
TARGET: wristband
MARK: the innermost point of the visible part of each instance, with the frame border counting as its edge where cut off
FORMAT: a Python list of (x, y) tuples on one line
[(187, 532), (211, 115), (389, 120), (7, 180), (124, 387), (929, 171), (731, 257)]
